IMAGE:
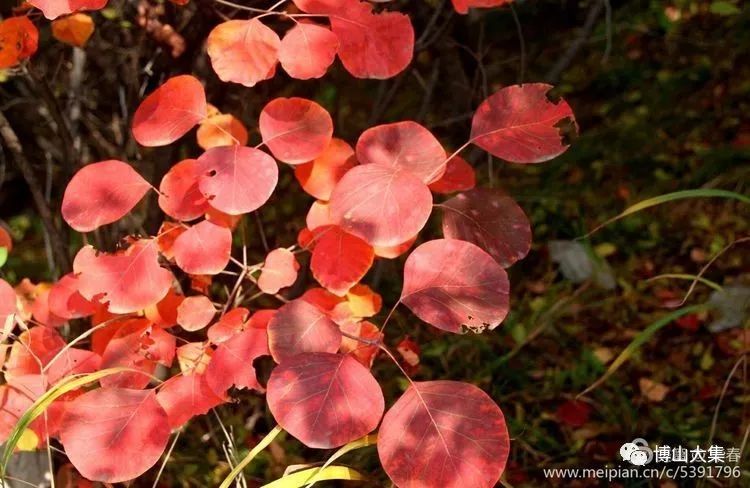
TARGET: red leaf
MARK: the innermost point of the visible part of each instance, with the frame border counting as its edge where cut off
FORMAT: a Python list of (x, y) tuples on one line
[(102, 193), (406, 145), (490, 219), (243, 51), (373, 45), (296, 130), (72, 361), (319, 177), (203, 249), (55, 8), (299, 327), (183, 397), (179, 196), (453, 284), (325, 400), (232, 363), (128, 281), (65, 301), (574, 413), (446, 434), (164, 313), (8, 304), (229, 325), (19, 39), (339, 259), (170, 111), (409, 351), (113, 434), (392, 252), (228, 174), (384, 206), (138, 345), (518, 124), (364, 353), (459, 176), (279, 271), (32, 350), (463, 6), (196, 312), (307, 50)]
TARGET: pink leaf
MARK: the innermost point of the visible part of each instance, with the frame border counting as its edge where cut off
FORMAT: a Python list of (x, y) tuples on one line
[(237, 179), (373, 45), (32, 350), (243, 51), (406, 145), (114, 434), (518, 124), (72, 361), (196, 312), (446, 434), (170, 111), (490, 219), (339, 259), (55, 8), (299, 327), (230, 324), (183, 397), (179, 196), (232, 363), (296, 130), (279, 271), (8, 304), (102, 193), (325, 400), (307, 50), (128, 281), (453, 284), (384, 206), (459, 176), (203, 249), (65, 301)]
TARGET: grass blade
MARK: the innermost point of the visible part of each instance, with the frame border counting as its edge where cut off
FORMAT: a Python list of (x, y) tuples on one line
[(250, 456), (299, 478), (365, 441)]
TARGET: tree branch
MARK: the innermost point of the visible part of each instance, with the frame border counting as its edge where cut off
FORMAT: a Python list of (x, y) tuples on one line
[(10, 140)]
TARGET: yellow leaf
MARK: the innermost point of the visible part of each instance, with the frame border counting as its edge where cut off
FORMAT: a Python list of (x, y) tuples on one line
[(28, 441), (73, 29)]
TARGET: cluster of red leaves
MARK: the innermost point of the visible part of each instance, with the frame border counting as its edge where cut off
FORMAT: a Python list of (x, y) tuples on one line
[(371, 202)]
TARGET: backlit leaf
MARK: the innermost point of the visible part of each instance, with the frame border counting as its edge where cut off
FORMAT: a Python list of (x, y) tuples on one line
[(185, 396), (232, 362), (459, 176), (279, 271), (203, 249), (319, 176), (55, 8), (179, 196), (383, 205), (299, 327), (339, 259), (296, 130), (170, 111), (19, 39), (453, 284), (325, 400), (74, 29), (237, 179), (243, 51), (128, 281), (114, 434), (446, 434), (519, 124), (194, 313), (221, 130), (406, 145), (65, 301), (463, 6), (102, 193), (307, 50)]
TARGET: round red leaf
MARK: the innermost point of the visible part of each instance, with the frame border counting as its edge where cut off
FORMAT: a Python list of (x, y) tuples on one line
[(373, 45), (405, 145), (296, 130), (339, 259), (65, 301), (232, 362), (237, 179), (186, 396), (307, 50), (179, 195), (300, 327), (196, 312), (101, 193), (490, 219), (383, 205), (279, 271), (203, 249), (325, 400), (453, 284), (446, 434), (127, 281), (114, 434), (243, 51), (170, 111), (459, 176), (518, 124)]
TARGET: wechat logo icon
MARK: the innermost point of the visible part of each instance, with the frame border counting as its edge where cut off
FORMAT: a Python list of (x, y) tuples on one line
[(637, 452)]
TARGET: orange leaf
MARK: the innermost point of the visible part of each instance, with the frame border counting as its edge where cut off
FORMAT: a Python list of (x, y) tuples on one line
[(74, 29)]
